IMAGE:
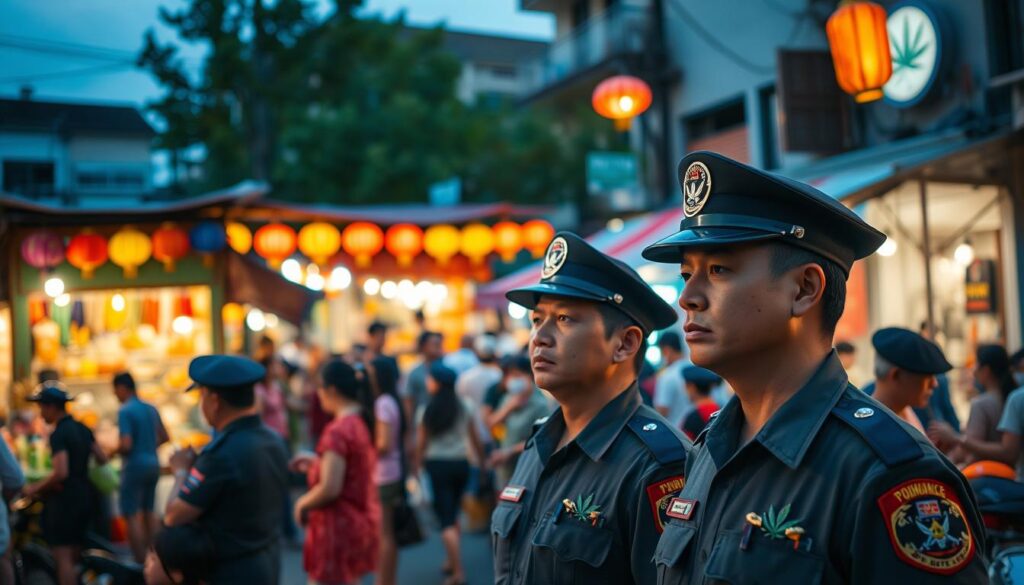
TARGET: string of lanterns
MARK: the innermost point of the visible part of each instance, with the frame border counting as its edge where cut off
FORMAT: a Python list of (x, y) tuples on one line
[(130, 248)]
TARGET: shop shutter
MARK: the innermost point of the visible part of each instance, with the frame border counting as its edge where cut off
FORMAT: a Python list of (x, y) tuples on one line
[(813, 112)]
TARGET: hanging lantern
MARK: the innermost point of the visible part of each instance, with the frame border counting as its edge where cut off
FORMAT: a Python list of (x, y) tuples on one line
[(404, 241), (477, 242), (87, 251), (319, 241), (537, 234), (441, 242), (362, 240), (239, 237), (232, 314), (859, 41), (508, 240), (274, 242), (209, 237), (621, 98), (170, 244), (43, 249), (129, 248)]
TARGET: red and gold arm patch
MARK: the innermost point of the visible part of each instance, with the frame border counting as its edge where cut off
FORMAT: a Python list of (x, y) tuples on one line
[(659, 494), (927, 526)]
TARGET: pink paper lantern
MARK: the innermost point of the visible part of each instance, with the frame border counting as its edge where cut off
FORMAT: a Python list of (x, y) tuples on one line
[(43, 249)]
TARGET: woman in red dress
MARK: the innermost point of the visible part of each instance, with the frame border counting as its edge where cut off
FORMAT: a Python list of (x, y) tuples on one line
[(341, 510), (699, 384)]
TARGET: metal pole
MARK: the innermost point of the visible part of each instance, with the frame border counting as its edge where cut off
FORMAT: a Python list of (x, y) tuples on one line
[(927, 249)]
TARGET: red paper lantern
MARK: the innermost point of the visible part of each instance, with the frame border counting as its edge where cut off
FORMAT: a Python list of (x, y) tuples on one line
[(508, 240), (621, 98), (170, 244), (404, 241), (274, 242), (87, 251), (537, 234), (362, 240)]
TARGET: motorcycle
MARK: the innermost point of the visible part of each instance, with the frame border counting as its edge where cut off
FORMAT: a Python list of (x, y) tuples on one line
[(1001, 503)]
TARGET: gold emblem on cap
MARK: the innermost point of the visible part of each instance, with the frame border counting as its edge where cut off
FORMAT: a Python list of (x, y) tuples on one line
[(696, 188), (554, 258)]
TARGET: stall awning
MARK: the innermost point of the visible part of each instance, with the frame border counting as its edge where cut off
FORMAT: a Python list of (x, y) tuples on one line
[(419, 214), (626, 244), (249, 281)]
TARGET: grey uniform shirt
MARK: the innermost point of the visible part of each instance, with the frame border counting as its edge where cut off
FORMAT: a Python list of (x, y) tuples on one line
[(876, 502), (619, 473)]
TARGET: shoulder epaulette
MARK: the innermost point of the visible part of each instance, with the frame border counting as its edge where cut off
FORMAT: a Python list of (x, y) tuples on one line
[(890, 441), (659, 438)]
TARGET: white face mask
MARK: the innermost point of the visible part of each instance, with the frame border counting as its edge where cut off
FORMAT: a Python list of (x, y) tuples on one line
[(516, 385)]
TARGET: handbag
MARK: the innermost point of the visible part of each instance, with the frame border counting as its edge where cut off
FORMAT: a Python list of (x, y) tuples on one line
[(407, 525)]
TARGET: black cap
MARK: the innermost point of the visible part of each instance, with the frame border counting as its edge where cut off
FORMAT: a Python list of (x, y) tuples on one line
[(575, 269), (727, 202), (700, 376), (909, 351), (224, 371), (50, 392)]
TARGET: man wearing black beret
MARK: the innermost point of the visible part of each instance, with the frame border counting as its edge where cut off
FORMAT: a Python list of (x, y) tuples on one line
[(588, 496), (235, 488), (801, 477), (905, 368)]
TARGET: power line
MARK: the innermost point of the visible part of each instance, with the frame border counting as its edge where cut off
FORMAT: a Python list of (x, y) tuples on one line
[(94, 70), (716, 44), (66, 49)]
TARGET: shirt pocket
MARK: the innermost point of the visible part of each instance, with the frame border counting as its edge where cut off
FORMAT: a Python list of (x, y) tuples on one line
[(576, 553), (503, 522), (669, 554), (764, 561)]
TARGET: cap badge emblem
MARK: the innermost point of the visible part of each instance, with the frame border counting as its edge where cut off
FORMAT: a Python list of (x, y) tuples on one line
[(696, 188), (558, 251)]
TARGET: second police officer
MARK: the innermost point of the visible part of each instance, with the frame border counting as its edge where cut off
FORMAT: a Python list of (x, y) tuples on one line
[(586, 502), (801, 478)]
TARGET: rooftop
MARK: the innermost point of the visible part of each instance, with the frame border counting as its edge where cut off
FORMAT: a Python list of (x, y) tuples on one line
[(31, 114)]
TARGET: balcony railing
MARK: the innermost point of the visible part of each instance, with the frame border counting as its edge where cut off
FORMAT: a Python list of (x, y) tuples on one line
[(617, 31)]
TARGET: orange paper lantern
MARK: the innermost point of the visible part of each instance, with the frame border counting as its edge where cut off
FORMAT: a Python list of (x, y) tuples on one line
[(508, 239), (859, 41), (239, 237), (477, 242), (621, 98), (274, 242), (170, 244), (441, 242), (404, 241), (362, 240), (537, 234), (319, 241), (129, 249), (87, 251)]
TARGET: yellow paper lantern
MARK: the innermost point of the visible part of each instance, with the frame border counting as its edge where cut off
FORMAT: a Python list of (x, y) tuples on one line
[(508, 240), (441, 242), (319, 241), (129, 248), (232, 314), (239, 237), (477, 242)]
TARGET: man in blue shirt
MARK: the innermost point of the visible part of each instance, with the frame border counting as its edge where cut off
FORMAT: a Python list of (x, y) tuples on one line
[(141, 432)]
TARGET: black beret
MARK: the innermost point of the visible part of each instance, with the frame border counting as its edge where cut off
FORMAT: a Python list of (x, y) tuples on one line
[(575, 269), (224, 371), (728, 202), (50, 392), (909, 351), (699, 375)]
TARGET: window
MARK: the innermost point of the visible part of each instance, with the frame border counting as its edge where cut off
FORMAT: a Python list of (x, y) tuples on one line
[(503, 71), (28, 177), (769, 143), (722, 128), (94, 179)]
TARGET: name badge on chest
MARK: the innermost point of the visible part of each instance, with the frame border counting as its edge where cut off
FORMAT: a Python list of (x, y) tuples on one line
[(681, 509), (512, 493)]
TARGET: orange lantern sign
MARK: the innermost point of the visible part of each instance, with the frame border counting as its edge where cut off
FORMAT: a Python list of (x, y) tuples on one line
[(319, 241), (170, 244), (274, 242), (362, 240), (129, 248), (621, 98), (239, 237), (508, 239), (537, 234), (477, 242), (87, 251), (859, 41), (441, 242), (404, 241)]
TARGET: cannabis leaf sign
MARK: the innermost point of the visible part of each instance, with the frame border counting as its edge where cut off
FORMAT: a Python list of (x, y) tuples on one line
[(908, 47), (582, 509), (775, 526)]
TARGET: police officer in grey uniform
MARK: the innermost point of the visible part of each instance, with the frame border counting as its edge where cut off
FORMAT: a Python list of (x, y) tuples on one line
[(235, 488), (801, 478), (586, 502)]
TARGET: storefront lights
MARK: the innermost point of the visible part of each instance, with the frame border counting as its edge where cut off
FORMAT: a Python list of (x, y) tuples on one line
[(117, 302), (439, 294), (516, 311), (406, 288), (63, 300), (653, 354), (888, 248), (183, 325), (371, 286), (340, 279), (292, 270), (389, 290), (314, 281), (616, 224), (271, 320), (256, 320), (964, 254), (53, 287)]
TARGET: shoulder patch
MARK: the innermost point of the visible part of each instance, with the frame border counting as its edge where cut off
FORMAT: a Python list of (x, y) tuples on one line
[(659, 494), (891, 442), (927, 526), (659, 438)]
